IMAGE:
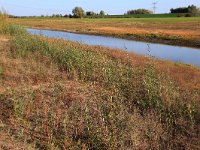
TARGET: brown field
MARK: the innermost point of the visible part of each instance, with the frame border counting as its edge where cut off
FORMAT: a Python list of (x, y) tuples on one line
[(178, 31)]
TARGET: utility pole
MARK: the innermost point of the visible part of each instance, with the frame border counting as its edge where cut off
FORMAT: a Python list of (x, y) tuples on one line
[(154, 7)]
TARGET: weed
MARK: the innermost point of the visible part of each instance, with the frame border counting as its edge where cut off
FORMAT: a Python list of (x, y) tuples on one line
[(3, 19), (1, 72)]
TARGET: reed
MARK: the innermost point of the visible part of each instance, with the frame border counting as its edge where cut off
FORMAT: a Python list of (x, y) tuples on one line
[(3, 19)]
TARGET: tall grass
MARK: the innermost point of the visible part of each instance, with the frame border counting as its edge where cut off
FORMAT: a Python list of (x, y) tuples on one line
[(128, 107), (3, 19), (6, 28)]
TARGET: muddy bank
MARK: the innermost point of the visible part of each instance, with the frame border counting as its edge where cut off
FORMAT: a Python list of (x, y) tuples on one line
[(152, 38)]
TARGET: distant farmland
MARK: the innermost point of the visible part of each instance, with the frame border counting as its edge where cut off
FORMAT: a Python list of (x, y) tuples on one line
[(147, 15)]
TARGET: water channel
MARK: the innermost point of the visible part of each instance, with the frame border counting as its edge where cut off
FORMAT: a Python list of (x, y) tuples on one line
[(173, 53)]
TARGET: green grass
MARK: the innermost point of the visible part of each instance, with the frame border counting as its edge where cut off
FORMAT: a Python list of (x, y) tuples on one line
[(145, 20), (175, 15), (146, 16), (151, 20), (123, 106)]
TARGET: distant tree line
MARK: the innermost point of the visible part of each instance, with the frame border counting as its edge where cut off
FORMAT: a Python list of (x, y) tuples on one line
[(52, 16), (78, 12), (139, 11), (191, 9)]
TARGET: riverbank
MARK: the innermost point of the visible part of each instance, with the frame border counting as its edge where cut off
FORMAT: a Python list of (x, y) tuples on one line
[(166, 52), (67, 95), (171, 31)]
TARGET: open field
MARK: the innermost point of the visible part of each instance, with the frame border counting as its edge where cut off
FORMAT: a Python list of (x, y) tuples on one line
[(177, 31), (57, 94), (146, 16)]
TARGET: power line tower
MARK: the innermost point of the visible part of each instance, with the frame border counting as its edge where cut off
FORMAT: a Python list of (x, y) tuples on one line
[(154, 7)]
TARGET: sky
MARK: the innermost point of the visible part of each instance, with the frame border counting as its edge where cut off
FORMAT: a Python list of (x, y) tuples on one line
[(49, 7)]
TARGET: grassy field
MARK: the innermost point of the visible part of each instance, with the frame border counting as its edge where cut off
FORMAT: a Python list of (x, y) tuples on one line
[(146, 16), (57, 94), (178, 31)]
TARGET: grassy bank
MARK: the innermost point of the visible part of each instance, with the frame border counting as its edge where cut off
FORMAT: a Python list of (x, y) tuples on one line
[(63, 95), (174, 31)]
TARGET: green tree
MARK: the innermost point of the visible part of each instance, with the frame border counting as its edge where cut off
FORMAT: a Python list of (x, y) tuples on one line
[(91, 13), (193, 10), (78, 12), (139, 11), (102, 13)]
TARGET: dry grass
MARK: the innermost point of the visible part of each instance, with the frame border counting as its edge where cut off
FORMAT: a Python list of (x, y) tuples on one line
[(34, 72), (8, 143), (3, 19), (45, 90), (57, 94), (186, 76)]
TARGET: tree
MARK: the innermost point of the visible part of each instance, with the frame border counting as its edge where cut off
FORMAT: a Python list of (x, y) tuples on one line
[(102, 13), (191, 9), (78, 12), (56, 15), (179, 10), (139, 11), (91, 13), (66, 16)]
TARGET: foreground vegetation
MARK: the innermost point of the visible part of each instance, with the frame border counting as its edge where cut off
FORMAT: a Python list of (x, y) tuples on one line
[(56, 94), (177, 31)]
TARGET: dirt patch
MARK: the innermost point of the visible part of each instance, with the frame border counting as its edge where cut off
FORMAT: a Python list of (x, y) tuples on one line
[(3, 39)]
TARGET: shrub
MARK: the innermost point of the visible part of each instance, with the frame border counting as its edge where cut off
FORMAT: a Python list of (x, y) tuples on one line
[(13, 30), (91, 13), (139, 11)]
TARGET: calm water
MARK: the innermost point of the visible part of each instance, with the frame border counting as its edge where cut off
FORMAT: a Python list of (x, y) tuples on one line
[(161, 51)]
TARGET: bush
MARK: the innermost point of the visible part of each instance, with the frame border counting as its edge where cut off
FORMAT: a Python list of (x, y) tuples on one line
[(139, 11), (189, 15), (91, 13), (13, 30)]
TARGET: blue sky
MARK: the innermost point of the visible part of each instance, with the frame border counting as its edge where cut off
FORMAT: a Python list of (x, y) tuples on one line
[(48, 7)]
